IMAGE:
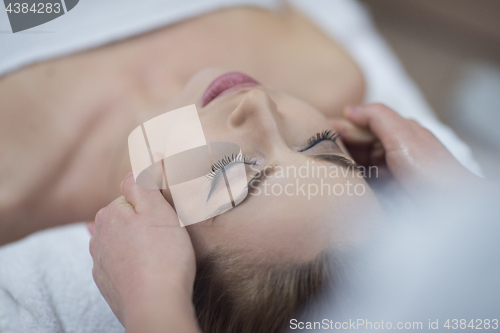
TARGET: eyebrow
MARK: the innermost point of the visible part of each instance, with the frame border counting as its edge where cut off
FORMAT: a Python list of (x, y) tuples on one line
[(268, 171), (259, 178), (261, 175), (337, 159)]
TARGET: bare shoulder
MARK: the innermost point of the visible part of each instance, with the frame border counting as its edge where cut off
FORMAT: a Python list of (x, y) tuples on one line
[(333, 80), (50, 112)]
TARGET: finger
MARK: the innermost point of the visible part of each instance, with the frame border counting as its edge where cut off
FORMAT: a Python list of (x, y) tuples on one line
[(388, 126), (351, 133), (118, 207), (91, 227), (377, 153), (140, 197)]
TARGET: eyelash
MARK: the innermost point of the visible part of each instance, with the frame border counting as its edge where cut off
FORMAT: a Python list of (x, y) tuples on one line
[(315, 139), (240, 158), (227, 160)]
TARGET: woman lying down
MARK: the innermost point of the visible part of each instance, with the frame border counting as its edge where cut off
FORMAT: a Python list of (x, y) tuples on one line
[(249, 269), (254, 267), (258, 265)]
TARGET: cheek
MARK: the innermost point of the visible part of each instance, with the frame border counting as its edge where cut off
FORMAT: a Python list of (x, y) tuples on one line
[(214, 127), (300, 125)]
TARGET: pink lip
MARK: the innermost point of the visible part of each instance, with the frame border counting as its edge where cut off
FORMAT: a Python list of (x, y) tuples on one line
[(227, 84)]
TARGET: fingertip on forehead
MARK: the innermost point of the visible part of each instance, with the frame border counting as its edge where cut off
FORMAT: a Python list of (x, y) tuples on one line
[(128, 181)]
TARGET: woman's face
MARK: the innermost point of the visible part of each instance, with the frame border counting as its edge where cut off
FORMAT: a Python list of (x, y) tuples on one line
[(307, 201)]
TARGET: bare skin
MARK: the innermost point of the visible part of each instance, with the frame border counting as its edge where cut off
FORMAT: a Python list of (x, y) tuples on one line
[(134, 263), (65, 121)]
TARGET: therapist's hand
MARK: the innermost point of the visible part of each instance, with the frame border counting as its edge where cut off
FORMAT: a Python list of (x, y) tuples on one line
[(144, 262), (376, 135)]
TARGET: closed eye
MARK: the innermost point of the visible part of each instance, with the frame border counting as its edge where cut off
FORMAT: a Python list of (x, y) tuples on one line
[(319, 137), (329, 153)]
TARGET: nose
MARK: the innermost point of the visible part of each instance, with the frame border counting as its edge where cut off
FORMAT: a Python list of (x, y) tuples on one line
[(258, 116)]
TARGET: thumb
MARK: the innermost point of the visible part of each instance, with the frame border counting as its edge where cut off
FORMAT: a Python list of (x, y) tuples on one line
[(142, 198)]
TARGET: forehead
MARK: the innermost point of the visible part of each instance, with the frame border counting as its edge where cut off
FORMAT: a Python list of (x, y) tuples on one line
[(286, 224)]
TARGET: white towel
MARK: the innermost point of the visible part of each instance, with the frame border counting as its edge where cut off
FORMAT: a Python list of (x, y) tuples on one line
[(46, 285)]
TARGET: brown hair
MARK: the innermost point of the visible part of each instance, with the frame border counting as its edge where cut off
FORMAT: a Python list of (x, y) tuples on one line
[(232, 294)]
